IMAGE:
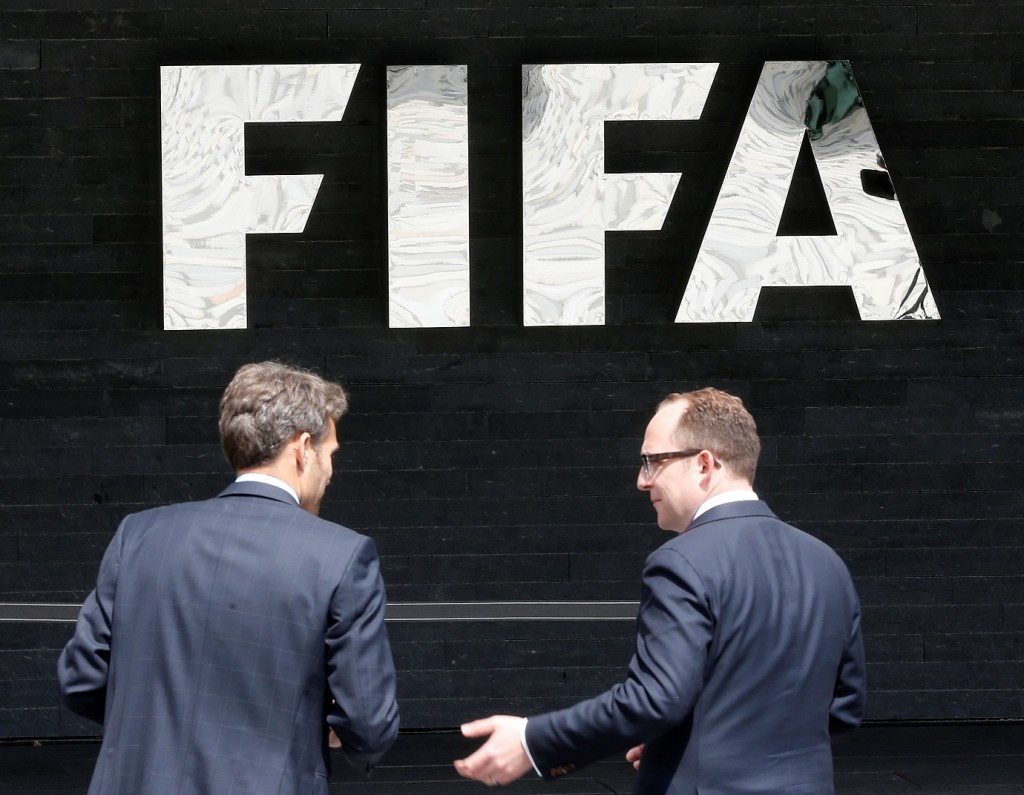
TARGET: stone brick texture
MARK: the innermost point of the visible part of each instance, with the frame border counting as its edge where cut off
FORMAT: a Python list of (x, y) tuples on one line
[(497, 462)]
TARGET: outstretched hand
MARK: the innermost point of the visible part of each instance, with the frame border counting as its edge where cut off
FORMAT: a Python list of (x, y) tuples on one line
[(500, 760)]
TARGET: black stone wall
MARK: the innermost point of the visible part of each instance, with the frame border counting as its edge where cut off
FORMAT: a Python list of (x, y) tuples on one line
[(498, 462)]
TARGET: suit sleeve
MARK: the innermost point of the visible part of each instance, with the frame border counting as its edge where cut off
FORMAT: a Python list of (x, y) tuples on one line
[(83, 666), (675, 626), (847, 707), (360, 671)]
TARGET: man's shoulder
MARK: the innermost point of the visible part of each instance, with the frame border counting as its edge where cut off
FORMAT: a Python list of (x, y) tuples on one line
[(747, 540), (730, 526), (162, 512), (744, 527), (263, 501)]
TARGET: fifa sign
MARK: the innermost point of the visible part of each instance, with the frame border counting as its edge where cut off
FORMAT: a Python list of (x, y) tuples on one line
[(209, 203)]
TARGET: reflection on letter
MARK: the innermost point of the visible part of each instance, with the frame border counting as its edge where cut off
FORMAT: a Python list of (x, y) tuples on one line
[(428, 196), (872, 251), (209, 204), (568, 200)]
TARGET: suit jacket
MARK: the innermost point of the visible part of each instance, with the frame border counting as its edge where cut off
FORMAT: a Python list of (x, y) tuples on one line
[(214, 642), (748, 654)]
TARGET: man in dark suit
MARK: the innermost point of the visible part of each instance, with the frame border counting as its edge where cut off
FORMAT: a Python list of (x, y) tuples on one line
[(224, 636), (748, 650)]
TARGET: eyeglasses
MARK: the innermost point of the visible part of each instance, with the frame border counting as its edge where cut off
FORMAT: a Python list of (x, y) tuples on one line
[(651, 458)]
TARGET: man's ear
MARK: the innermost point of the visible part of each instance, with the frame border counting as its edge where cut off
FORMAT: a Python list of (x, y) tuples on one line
[(303, 445)]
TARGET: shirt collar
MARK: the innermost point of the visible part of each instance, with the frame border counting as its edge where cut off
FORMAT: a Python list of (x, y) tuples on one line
[(270, 480), (736, 495)]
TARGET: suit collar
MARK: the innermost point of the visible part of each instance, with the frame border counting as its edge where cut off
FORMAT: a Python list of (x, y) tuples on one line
[(252, 488), (733, 510), (732, 495)]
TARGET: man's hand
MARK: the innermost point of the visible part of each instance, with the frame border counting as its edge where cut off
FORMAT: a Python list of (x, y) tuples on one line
[(633, 755), (500, 760)]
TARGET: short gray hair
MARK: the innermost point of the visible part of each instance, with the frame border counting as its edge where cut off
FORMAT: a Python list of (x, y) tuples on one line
[(268, 403)]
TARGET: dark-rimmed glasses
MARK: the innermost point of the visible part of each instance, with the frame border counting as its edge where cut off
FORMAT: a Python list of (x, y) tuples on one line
[(651, 458)]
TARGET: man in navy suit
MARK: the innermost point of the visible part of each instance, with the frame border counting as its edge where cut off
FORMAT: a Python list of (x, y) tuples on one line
[(225, 636), (748, 650)]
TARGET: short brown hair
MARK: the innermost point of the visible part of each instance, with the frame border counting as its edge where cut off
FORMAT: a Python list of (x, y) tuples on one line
[(268, 403), (717, 421)]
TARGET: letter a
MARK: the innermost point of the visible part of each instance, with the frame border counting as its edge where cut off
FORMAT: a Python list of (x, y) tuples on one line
[(872, 251)]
